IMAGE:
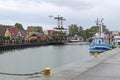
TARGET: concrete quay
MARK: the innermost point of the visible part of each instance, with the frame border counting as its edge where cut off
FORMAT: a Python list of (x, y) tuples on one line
[(105, 67)]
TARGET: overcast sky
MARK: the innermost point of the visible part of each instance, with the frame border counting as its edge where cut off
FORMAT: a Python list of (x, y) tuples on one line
[(80, 12)]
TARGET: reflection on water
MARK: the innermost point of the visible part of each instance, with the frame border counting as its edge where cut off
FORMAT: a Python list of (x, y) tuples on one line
[(36, 59), (5, 51)]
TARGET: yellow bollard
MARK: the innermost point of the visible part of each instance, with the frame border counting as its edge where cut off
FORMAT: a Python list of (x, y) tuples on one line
[(47, 71), (95, 54), (111, 49)]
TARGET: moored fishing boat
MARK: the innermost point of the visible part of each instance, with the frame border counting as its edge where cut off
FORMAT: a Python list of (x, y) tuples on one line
[(99, 45), (100, 42), (74, 39)]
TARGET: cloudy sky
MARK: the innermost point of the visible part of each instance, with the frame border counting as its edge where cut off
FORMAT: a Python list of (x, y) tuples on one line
[(80, 12)]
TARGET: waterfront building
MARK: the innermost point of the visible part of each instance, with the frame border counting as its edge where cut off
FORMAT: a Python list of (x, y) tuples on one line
[(2, 30), (9, 31), (14, 33), (10, 34), (34, 30), (23, 33), (115, 33)]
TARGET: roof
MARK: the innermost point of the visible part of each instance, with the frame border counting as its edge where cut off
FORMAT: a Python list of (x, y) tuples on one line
[(49, 31), (23, 33), (34, 28), (2, 30), (13, 31)]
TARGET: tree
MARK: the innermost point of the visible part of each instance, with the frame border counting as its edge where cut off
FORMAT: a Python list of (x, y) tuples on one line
[(83, 34), (86, 34), (6, 37), (40, 31), (94, 29), (73, 29), (105, 30), (19, 26), (80, 28)]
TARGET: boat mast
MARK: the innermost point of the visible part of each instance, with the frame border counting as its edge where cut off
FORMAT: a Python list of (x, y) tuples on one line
[(99, 23), (60, 22)]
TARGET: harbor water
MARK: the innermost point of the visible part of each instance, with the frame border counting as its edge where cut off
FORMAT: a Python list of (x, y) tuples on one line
[(34, 59)]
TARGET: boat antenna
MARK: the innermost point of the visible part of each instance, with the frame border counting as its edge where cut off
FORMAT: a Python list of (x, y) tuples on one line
[(101, 25), (97, 22)]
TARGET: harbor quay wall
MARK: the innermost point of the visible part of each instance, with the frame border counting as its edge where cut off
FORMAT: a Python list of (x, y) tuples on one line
[(26, 45), (73, 70), (16, 46)]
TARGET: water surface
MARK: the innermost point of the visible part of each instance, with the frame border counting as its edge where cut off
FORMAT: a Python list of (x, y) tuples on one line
[(34, 59)]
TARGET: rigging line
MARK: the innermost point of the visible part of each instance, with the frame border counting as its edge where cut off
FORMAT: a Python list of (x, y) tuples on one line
[(17, 74)]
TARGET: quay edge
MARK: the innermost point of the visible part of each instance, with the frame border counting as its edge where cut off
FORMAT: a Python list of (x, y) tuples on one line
[(27, 45)]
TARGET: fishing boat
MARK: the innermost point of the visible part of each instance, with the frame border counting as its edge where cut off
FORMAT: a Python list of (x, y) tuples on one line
[(100, 42), (100, 45), (74, 39)]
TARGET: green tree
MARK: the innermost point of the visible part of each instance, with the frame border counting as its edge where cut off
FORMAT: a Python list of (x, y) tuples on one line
[(105, 30), (19, 26), (94, 29), (86, 34), (6, 37), (40, 31), (80, 28), (73, 29), (83, 34)]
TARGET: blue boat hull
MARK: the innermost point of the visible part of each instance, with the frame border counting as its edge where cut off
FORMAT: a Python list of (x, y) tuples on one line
[(100, 47)]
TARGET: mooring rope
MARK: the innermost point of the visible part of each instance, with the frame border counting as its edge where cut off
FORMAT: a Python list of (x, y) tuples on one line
[(17, 74)]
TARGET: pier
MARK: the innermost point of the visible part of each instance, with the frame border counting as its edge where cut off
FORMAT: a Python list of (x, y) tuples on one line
[(104, 67)]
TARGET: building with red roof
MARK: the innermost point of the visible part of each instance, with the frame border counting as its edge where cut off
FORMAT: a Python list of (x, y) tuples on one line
[(14, 32)]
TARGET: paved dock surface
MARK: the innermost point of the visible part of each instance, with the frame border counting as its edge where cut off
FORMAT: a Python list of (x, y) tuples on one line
[(107, 70), (105, 67)]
